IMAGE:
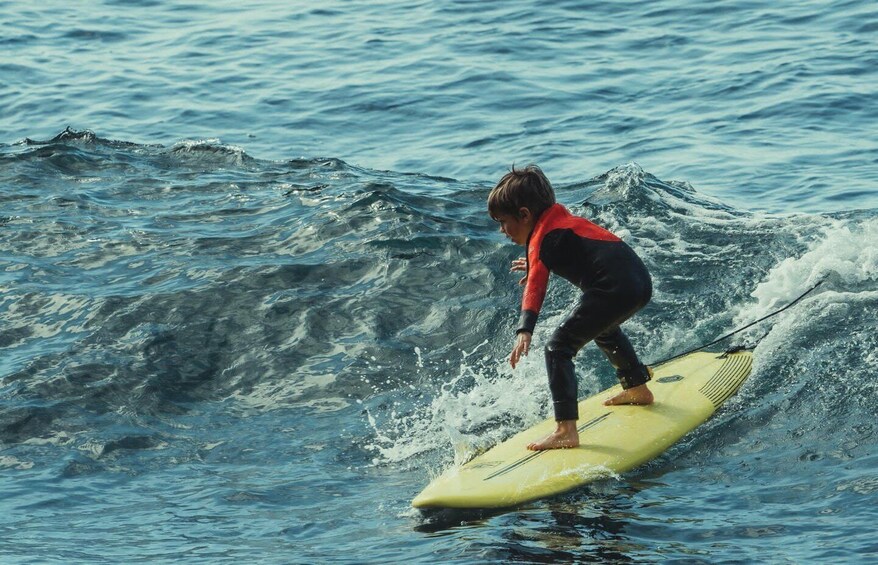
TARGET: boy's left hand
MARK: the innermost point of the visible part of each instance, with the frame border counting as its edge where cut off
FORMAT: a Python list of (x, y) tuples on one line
[(522, 346), (520, 265)]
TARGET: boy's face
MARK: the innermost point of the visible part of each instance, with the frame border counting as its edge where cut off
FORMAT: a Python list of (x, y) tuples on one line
[(516, 228)]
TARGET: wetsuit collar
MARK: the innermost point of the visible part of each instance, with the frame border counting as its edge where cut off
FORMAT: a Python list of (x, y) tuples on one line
[(553, 210)]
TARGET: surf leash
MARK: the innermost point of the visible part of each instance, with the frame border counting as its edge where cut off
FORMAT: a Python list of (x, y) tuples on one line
[(739, 330)]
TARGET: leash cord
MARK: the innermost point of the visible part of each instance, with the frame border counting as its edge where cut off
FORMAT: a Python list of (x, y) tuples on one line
[(739, 330)]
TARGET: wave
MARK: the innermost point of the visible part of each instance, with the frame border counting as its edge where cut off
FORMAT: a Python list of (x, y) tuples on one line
[(147, 280), (715, 268)]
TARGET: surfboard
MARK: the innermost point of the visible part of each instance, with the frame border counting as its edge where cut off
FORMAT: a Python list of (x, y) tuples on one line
[(613, 439)]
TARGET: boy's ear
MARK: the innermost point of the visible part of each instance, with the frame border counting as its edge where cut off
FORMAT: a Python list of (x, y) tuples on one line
[(524, 214)]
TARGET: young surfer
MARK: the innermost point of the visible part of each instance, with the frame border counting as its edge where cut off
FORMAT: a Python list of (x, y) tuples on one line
[(614, 281)]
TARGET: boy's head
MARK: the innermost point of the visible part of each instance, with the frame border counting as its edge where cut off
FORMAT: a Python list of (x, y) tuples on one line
[(521, 188)]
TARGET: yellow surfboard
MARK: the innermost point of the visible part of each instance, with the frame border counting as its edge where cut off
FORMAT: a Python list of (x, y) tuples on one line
[(613, 439)]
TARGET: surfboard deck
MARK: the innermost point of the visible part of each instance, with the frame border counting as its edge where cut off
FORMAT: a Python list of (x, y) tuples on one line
[(613, 439)]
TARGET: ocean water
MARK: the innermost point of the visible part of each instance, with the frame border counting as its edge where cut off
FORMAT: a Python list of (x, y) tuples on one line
[(251, 301)]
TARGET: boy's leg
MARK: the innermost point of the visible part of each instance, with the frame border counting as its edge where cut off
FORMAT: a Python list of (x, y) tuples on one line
[(616, 346), (562, 376), (587, 320), (567, 340), (631, 372)]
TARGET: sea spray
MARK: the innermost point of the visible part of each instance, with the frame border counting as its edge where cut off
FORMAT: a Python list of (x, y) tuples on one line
[(480, 402)]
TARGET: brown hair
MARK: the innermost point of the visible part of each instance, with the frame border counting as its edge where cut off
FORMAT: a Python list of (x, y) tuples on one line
[(521, 188)]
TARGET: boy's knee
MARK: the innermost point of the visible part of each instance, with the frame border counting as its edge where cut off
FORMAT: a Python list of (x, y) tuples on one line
[(562, 344), (558, 350)]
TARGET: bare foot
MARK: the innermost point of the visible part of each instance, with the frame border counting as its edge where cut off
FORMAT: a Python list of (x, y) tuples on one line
[(639, 395), (565, 436)]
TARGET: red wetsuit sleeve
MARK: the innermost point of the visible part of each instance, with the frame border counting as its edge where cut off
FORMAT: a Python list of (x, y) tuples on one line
[(534, 291)]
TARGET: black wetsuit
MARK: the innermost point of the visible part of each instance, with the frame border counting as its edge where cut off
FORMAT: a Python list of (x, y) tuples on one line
[(615, 284)]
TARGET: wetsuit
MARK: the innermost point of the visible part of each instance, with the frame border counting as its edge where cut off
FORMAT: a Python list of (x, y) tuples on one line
[(615, 284)]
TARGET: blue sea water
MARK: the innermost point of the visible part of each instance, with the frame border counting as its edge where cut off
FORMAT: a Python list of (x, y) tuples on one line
[(252, 303)]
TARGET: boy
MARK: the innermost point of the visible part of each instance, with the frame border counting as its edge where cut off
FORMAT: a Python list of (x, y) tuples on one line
[(614, 282)]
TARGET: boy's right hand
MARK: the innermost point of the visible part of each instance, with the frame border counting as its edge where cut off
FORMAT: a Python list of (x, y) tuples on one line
[(522, 346), (520, 265)]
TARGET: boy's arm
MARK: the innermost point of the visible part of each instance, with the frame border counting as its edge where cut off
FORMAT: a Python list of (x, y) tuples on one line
[(534, 293)]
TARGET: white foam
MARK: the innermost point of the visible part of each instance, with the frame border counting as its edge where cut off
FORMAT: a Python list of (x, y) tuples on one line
[(619, 183), (10, 462), (590, 472), (846, 255), (482, 403)]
